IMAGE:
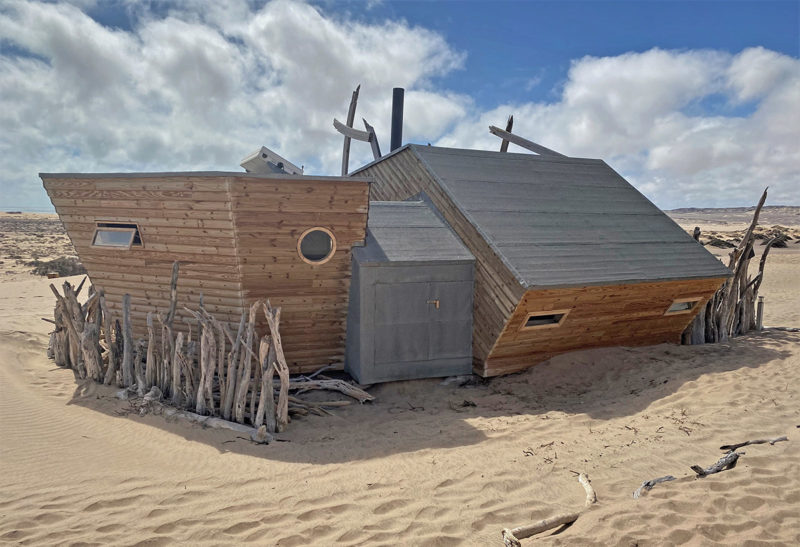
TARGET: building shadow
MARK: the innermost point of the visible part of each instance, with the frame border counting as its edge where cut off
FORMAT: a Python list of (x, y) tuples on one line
[(416, 415)]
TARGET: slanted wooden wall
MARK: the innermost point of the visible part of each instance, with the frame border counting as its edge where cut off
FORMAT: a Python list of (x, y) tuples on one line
[(235, 236), (185, 218), (599, 316), (497, 291)]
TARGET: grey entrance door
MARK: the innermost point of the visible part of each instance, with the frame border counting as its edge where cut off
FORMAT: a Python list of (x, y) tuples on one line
[(422, 321)]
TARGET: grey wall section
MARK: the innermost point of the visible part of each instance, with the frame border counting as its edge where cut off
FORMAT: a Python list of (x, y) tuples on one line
[(411, 298)]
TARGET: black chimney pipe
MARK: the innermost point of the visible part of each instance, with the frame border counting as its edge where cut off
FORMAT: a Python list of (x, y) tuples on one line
[(397, 117)]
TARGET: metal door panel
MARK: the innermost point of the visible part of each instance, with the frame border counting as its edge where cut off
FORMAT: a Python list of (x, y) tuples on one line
[(398, 303), (403, 343), (455, 300), (450, 339)]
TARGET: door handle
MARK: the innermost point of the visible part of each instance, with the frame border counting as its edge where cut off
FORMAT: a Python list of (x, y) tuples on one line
[(434, 302)]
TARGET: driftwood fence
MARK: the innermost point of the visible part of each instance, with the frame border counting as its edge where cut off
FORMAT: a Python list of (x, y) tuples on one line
[(732, 310), (249, 383)]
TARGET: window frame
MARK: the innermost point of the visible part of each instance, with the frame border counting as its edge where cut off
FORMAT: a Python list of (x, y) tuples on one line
[(133, 231), (330, 254), (525, 327), (695, 302)]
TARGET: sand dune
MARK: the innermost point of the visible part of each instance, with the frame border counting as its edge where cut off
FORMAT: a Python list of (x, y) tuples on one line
[(421, 465)]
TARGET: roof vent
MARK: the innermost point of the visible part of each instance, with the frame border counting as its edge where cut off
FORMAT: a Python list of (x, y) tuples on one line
[(265, 161)]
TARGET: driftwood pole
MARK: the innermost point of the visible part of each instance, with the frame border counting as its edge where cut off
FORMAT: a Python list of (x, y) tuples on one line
[(127, 347), (113, 355), (90, 339), (137, 368), (240, 397), (150, 363), (233, 370), (282, 411), (731, 311), (266, 402), (509, 127), (739, 260), (176, 369), (351, 117)]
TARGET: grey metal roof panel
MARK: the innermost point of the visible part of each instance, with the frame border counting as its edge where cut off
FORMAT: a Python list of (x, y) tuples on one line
[(410, 232), (560, 221)]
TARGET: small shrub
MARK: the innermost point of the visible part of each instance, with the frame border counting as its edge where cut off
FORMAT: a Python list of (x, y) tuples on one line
[(64, 266)]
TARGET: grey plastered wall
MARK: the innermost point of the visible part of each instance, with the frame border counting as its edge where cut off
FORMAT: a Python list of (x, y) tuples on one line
[(375, 328)]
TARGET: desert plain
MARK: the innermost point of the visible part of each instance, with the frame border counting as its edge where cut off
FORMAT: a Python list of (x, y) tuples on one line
[(428, 462)]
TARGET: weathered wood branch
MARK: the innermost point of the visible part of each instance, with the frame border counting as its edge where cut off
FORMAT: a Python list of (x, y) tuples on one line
[(373, 140), (281, 367), (351, 117), (524, 143), (240, 396), (127, 342), (728, 461), (509, 127), (735, 447), (334, 385), (356, 134), (512, 536), (648, 485)]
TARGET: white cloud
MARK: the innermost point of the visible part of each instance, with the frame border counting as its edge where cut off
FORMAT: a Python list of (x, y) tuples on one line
[(633, 111), (202, 85)]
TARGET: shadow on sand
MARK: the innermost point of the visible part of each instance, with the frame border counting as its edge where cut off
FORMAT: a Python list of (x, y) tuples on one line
[(425, 415)]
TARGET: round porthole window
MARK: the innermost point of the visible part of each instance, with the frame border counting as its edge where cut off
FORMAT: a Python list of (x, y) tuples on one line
[(316, 245)]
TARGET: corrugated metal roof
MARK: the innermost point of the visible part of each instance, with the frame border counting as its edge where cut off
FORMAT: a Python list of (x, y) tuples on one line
[(409, 231), (559, 221)]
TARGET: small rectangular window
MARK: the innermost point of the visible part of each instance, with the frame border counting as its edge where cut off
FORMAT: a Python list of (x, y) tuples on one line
[(682, 305), (544, 319), (116, 234)]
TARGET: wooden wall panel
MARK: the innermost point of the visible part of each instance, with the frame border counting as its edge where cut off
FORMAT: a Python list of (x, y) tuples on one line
[(180, 217), (236, 238), (270, 216), (628, 315), (497, 291)]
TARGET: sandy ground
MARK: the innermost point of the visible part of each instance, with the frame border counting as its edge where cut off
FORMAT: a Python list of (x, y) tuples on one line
[(420, 465)]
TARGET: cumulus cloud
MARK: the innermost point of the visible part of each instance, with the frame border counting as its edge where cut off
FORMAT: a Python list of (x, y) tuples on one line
[(200, 85), (639, 112)]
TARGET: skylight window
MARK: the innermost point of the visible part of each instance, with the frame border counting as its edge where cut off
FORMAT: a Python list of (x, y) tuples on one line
[(117, 235), (682, 305), (544, 319)]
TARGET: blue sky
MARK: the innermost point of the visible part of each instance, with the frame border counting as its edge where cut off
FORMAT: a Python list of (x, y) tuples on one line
[(510, 44), (696, 103)]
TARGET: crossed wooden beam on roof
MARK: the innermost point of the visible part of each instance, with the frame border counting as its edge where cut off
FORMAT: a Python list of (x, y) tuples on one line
[(508, 137), (350, 133)]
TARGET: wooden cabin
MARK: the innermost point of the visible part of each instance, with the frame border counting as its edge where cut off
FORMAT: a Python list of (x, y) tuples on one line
[(568, 255), (552, 254), (238, 236)]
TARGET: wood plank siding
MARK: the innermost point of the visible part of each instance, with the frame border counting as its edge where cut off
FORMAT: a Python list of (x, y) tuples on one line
[(269, 219), (235, 236), (497, 292), (554, 234), (599, 316)]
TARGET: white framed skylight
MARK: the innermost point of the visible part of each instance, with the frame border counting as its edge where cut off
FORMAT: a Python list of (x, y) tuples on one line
[(118, 235)]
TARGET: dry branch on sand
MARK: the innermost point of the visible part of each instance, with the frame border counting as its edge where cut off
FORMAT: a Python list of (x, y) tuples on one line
[(193, 374), (512, 536)]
